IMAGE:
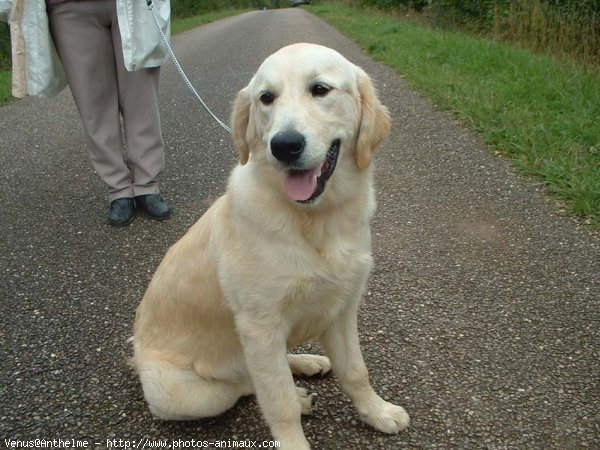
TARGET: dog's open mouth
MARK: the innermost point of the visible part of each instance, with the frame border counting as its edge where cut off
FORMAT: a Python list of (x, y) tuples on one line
[(305, 186)]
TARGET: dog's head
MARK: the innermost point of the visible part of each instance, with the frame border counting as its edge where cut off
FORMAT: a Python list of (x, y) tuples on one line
[(306, 111)]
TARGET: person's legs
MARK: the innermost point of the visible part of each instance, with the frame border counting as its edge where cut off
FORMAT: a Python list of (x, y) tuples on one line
[(83, 37), (138, 101)]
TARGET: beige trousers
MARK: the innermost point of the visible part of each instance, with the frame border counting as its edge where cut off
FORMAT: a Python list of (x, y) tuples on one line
[(128, 158)]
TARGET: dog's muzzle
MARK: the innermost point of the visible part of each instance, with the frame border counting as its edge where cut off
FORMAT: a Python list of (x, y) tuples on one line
[(305, 186)]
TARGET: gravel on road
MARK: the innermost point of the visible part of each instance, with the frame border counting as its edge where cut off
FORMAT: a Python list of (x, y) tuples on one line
[(481, 317)]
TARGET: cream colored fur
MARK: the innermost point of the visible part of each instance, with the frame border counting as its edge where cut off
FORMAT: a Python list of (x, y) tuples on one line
[(260, 273)]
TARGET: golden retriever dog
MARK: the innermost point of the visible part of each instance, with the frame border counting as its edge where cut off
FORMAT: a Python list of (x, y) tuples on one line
[(282, 258)]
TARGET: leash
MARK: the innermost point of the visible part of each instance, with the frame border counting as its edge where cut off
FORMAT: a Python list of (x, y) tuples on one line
[(180, 70)]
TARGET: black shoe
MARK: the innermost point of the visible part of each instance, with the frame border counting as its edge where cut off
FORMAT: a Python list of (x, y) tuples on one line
[(154, 205), (121, 212)]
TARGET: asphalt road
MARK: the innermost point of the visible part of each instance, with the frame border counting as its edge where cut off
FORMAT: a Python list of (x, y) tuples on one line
[(482, 314)]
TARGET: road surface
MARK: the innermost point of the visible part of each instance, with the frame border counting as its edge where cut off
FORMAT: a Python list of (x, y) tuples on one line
[(482, 313)]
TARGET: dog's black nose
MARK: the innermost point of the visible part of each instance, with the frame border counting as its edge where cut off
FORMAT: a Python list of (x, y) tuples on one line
[(287, 146)]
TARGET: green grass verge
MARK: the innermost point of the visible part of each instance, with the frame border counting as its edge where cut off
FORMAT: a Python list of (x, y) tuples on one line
[(181, 25), (5, 87), (177, 26), (542, 113)]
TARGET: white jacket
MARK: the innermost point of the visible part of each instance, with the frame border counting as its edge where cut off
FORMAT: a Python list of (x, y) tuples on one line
[(37, 69)]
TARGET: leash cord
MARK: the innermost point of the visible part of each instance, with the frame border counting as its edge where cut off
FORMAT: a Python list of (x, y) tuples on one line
[(180, 70)]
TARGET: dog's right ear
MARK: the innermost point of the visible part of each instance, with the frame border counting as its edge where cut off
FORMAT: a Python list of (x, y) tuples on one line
[(239, 124)]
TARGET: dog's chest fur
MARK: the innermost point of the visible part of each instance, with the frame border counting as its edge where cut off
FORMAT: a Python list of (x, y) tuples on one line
[(305, 272), (295, 266)]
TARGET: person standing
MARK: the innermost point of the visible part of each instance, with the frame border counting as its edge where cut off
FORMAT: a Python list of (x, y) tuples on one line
[(111, 54)]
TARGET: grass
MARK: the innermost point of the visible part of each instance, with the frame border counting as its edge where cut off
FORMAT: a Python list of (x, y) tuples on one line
[(562, 28), (5, 86), (542, 113), (184, 24)]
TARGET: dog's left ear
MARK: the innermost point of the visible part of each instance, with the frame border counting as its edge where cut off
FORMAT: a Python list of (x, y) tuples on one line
[(239, 124), (375, 121)]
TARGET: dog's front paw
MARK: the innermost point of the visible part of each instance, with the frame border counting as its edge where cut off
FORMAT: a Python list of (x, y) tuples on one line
[(386, 417)]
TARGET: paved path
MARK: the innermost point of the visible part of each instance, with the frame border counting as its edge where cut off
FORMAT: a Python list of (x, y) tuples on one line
[(483, 311)]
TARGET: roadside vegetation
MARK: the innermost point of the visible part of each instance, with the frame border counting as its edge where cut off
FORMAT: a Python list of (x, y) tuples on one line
[(5, 77), (525, 74), (541, 111), (559, 27), (187, 23)]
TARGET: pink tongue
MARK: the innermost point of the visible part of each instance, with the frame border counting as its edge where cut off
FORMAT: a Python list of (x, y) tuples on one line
[(301, 186)]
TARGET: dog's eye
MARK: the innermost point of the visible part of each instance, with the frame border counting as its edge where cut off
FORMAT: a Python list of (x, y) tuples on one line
[(319, 90), (267, 98)]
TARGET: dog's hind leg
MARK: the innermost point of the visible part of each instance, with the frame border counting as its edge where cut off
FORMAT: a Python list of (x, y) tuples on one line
[(309, 365), (173, 393)]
